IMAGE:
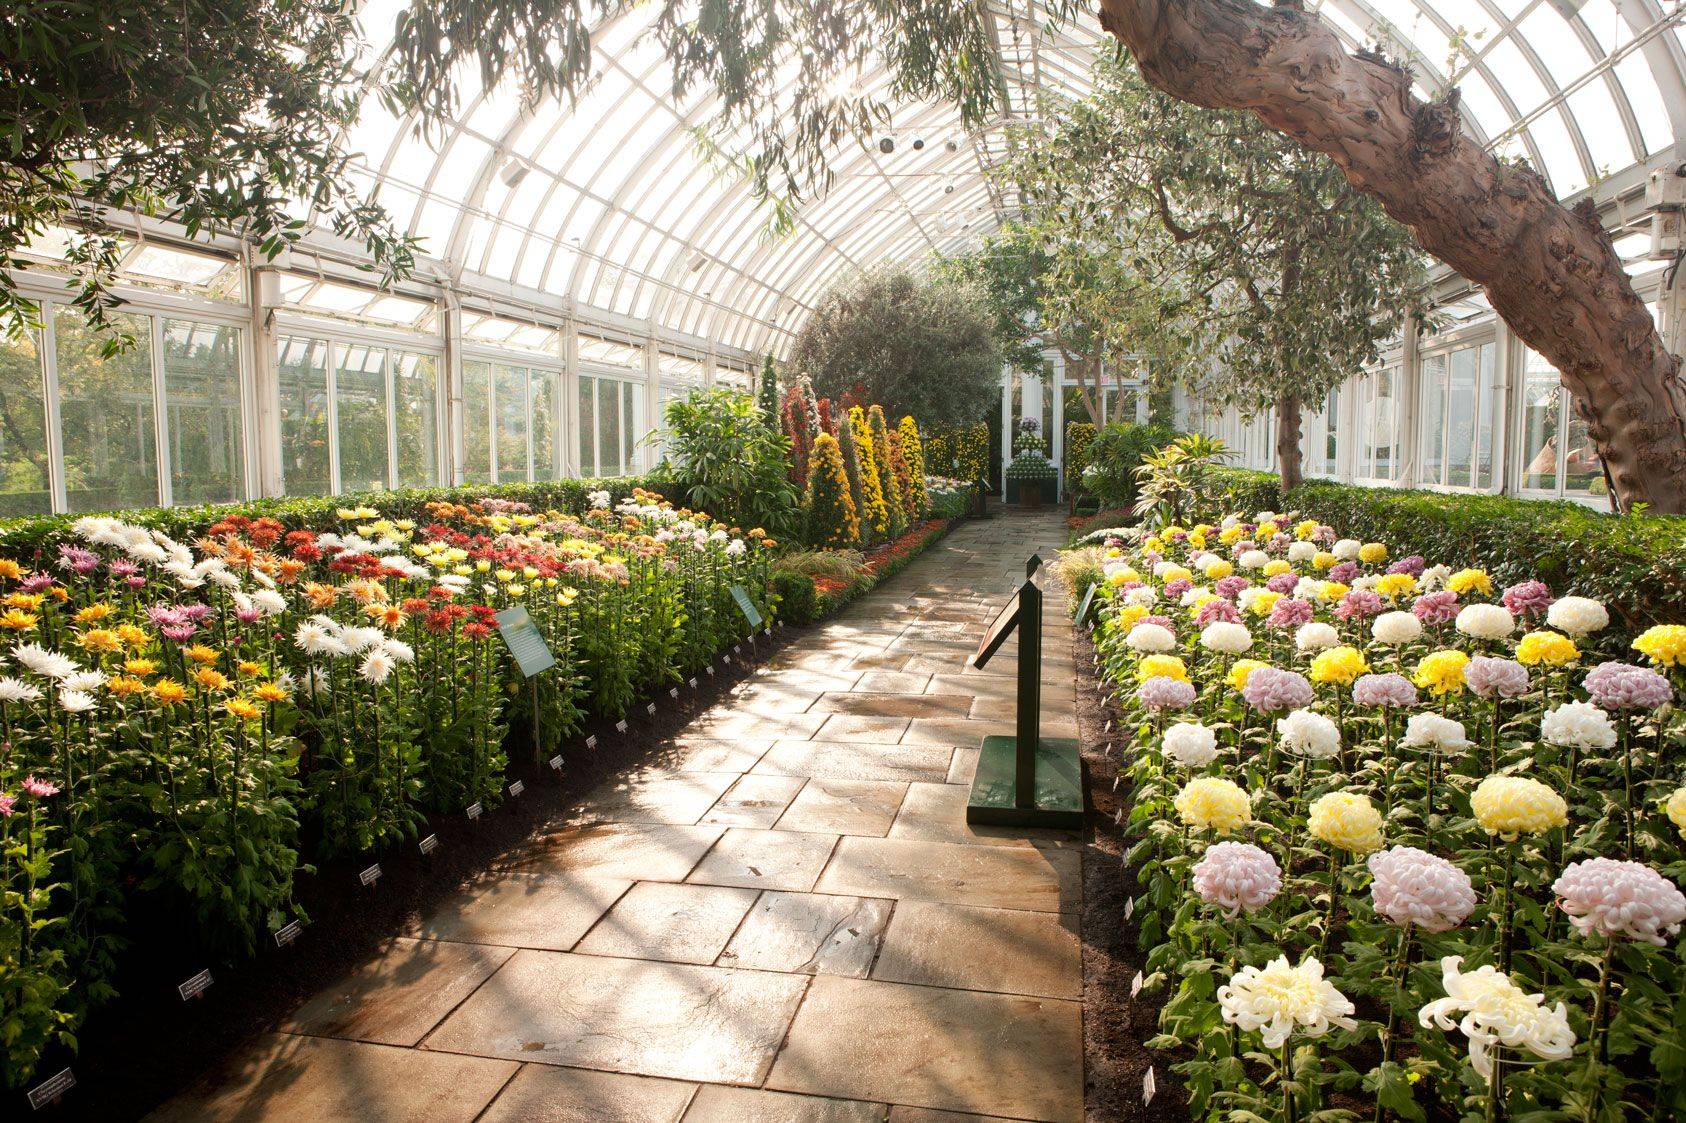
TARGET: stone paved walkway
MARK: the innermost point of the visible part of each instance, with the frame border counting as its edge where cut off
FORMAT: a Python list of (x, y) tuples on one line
[(785, 918)]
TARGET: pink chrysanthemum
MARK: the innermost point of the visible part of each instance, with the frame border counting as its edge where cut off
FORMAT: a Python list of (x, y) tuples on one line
[(1237, 877), (1411, 886), (1389, 690), (1605, 897), (1288, 614), (1623, 686), (1528, 599), (1270, 690), (1437, 607), (1164, 693), (1496, 678), (1359, 604), (1218, 611)]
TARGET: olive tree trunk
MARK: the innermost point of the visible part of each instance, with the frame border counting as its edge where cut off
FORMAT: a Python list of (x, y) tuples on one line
[(1288, 464), (1551, 272)]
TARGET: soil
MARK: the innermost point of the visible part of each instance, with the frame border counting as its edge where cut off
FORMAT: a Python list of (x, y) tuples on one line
[(140, 1049), (1115, 1026)]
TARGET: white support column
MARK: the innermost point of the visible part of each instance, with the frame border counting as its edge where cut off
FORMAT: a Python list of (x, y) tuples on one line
[(264, 285), (451, 467), (1507, 376), (652, 401), (1405, 408), (571, 397), (1008, 421)]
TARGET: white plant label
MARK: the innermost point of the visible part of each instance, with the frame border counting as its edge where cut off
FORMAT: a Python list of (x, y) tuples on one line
[(370, 875), (517, 787), (428, 845), (195, 986), (1149, 1087)]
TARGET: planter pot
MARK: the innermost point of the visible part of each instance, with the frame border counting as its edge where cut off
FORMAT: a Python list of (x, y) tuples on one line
[(1030, 493)]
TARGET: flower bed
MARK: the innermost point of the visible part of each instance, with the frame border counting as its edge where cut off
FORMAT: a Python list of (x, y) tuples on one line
[(183, 723), (1406, 838), (833, 591)]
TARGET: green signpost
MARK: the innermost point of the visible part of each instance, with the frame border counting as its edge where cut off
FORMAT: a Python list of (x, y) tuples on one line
[(1025, 780), (531, 654)]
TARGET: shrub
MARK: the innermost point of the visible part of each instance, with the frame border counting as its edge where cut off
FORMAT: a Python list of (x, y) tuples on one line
[(873, 509), (797, 600), (726, 460), (830, 508), (1632, 563), (1079, 437), (913, 450), (1114, 454), (951, 499), (839, 564)]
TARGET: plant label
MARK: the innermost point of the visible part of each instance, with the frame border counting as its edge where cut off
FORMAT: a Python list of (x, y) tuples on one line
[(428, 845), (673, 692), (620, 726), (737, 649), (692, 682), (195, 986), (555, 763), (370, 875), (1149, 1086), (746, 606), (521, 636), (650, 709), (287, 933), (1136, 985), (1108, 728), (475, 810), (591, 741), (768, 632), (516, 788), (1116, 776), (710, 668), (1129, 908), (49, 1090)]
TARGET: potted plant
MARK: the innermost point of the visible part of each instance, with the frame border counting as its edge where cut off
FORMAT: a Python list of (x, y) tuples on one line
[(1031, 473)]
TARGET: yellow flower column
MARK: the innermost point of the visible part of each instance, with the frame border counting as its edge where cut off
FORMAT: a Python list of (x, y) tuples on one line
[(874, 513)]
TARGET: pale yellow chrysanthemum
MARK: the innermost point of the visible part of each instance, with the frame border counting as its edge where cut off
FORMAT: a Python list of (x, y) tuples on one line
[(1213, 803), (1346, 820), (1513, 805)]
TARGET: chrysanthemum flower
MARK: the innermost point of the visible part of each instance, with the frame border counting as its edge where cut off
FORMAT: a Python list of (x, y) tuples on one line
[(1579, 725), (1409, 886), (1241, 671), (1577, 616), (1310, 734), (1157, 666), (1190, 744), (1546, 648), (1372, 552), (1496, 678), (1271, 690), (1466, 581), (1442, 672), (1315, 636), (1664, 644), (1281, 1000), (1431, 731), (1604, 897), (1346, 820), (1485, 621), (1213, 803), (1390, 691), (1339, 665), (1509, 806), (1396, 628), (1623, 686), (1675, 808), (1237, 877), (1497, 1012)]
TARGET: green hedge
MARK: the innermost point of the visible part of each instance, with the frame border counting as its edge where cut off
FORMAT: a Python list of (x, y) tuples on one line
[(23, 536), (1636, 565)]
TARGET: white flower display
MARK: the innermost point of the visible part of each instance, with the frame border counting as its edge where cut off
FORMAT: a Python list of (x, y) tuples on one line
[(76, 701), (1150, 638), (1160, 569), (1191, 744), (1431, 731), (1206, 561), (1347, 549), (1299, 552), (599, 500), (1497, 1012), (16, 690), (1143, 597), (1577, 616), (1579, 725), (1433, 577), (1485, 621), (1254, 559), (1226, 638), (1315, 636), (377, 666), (1396, 628), (43, 662), (83, 681), (1281, 1000), (1309, 733)]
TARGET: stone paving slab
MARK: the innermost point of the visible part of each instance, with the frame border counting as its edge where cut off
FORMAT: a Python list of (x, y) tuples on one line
[(679, 798), (831, 760), (756, 800), (546, 1094), (759, 859), (844, 807), (810, 934), (867, 729), (627, 1015), (396, 997), (633, 851), (994, 876), (996, 950), (676, 923), (522, 910), (718, 1104)]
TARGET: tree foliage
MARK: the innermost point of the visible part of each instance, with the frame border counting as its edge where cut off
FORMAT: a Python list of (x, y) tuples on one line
[(725, 460), (914, 345)]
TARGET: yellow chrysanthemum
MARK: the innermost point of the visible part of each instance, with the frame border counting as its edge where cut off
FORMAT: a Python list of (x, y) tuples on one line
[(211, 679), (1218, 570), (169, 691), (1442, 672), (200, 654), (10, 570), (250, 669), (1161, 666), (1127, 615), (1546, 648), (1305, 530), (1175, 573), (1664, 644), (1338, 665), (102, 641), (140, 668), (242, 709), (269, 692), (1266, 530), (17, 620), (1323, 559), (1123, 576), (1470, 581), (92, 614), (1197, 540), (29, 602), (1154, 544), (133, 635), (1230, 535), (123, 686), (1333, 591), (1395, 585), (1237, 677), (1213, 803), (1346, 820), (1277, 566), (1372, 552), (1263, 602), (1511, 805)]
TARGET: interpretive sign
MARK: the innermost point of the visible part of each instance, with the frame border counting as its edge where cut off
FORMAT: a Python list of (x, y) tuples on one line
[(287, 933), (51, 1089), (525, 644), (747, 606), (195, 986)]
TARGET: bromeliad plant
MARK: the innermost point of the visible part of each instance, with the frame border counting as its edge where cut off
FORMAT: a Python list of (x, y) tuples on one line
[(185, 722), (1463, 803)]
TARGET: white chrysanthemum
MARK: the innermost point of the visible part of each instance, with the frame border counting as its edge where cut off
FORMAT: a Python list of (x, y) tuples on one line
[(1368, 581), (1497, 1012), (1396, 628), (83, 681), (1142, 597), (1608, 898), (1150, 638), (44, 662), (1191, 744), (400, 651), (16, 690), (735, 548), (1161, 568), (1309, 733), (358, 640), (1577, 616), (1206, 561), (1254, 559), (599, 500), (1309, 588), (1247, 597), (1301, 551), (76, 701), (1316, 636), (1225, 637), (376, 666), (1580, 725), (314, 639), (1280, 1000), (1347, 549), (1485, 621), (1433, 578), (1431, 731), (269, 602), (1193, 595)]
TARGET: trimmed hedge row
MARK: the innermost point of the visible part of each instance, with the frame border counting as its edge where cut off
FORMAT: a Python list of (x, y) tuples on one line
[(23, 536), (1636, 565)]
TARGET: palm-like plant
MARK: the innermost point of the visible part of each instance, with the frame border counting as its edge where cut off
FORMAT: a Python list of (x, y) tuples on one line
[(1168, 479)]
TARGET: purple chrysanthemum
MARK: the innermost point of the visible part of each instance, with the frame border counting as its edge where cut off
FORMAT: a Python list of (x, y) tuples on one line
[(1271, 690), (1359, 604), (1413, 564), (1215, 610), (1178, 587), (1283, 583), (1288, 614), (1230, 587), (1345, 573), (1623, 686), (1496, 678), (1390, 690), (1528, 599), (1436, 607), (1164, 693)]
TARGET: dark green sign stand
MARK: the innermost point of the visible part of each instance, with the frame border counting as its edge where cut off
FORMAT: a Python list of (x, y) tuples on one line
[(1026, 780)]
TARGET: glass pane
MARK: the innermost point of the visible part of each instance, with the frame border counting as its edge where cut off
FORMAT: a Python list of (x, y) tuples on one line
[(476, 423), (1542, 403), (1490, 400), (416, 390), (512, 423), (588, 427), (1433, 443), (360, 401), (609, 429), (23, 430), (303, 375), (1460, 409), (629, 425), (105, 410), (543, 402), (1583, 472), (202, 401)]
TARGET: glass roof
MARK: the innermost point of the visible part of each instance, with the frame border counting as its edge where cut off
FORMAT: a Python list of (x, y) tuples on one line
[(606, 202)]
